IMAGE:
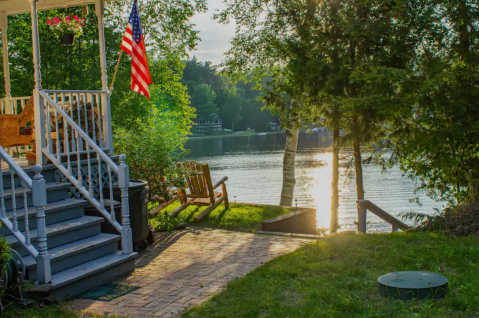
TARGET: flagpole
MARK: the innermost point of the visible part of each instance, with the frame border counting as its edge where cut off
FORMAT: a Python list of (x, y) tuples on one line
[(116, 71)]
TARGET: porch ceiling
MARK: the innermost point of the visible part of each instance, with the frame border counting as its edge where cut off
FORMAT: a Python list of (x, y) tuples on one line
[(23, 6)]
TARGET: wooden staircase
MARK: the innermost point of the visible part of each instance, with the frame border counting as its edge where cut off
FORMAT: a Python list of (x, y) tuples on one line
[(81, 256)]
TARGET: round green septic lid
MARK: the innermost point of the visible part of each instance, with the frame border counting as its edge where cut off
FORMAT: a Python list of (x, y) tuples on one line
[(412, 280)]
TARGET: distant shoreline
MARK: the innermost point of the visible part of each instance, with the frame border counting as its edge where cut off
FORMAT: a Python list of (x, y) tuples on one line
[(235, 134)]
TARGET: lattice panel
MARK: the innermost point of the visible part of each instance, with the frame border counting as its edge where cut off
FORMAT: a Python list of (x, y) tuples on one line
[(75, 193)]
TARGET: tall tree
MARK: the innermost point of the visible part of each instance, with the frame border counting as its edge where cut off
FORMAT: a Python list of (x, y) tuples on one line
[(271, 37), (231, 105), (435, 139), (326, 54), (203, 99)]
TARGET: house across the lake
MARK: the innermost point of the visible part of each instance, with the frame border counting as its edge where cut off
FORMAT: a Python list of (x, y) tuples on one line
[(214, 123)]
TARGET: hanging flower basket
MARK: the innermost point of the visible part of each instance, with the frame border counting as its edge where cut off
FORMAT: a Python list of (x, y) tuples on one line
[(67, 39), (66, 28)]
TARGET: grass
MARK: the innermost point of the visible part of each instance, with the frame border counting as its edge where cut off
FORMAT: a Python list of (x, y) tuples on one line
[(239, 217), (48, 311), (336, 277)]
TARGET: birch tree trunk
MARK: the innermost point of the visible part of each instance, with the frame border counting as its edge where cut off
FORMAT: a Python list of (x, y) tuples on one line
[(289, 160), (335, 184)]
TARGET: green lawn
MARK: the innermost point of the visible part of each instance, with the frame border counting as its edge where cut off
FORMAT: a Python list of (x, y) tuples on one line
[(239, 217), (48, 311), (336, 277)]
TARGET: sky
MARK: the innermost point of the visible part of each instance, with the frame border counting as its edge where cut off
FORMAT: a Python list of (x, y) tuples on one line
[(214, 36)]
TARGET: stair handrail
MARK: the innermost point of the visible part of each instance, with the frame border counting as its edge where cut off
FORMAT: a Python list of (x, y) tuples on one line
[(365, 205), (15, 167), (121, 171), (39, 198)]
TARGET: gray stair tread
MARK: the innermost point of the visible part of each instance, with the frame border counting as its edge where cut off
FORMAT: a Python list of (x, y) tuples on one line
[(51, 207), (61, 227), (50, 186), (75, 247), (89, 268)]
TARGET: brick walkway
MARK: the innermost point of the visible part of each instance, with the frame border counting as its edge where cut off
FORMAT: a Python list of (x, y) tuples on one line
[(188, 267)]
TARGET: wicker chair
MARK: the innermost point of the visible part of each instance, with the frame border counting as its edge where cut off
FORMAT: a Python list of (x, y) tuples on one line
[(10, 126)]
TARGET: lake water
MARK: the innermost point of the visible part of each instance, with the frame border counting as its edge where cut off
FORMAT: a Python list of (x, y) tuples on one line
[(253, 165)]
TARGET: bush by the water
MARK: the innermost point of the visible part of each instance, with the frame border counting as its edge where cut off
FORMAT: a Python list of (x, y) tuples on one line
[(455, 221)]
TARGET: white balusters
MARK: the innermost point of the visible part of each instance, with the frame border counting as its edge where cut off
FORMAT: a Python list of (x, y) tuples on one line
[(39, 199), (110, 186), (59, 157), (3, 212), (25, 209), (84, 138), (79, 177), (67, 145), (91, 100), (49, 129), (90, 180), (14, 200), (100, 184), (100, 133)]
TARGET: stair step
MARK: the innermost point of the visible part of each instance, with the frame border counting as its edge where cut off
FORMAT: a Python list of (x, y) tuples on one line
[(62, 233), (76, 253), (48, 173), (91, 274), (55, 212), (56, 191)]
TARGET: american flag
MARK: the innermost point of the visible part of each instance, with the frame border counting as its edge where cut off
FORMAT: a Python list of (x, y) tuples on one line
[(134, 45)]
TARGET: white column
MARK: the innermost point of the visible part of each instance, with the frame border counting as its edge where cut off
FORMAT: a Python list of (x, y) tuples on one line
[(40, 141), (9, 109), (6, 68), (36, 45), (105, 98)]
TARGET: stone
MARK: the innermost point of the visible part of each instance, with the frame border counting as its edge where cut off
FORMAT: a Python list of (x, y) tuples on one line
[(188, 267)]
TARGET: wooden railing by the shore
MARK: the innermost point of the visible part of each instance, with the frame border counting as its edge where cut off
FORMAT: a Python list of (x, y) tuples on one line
[(365, 205)]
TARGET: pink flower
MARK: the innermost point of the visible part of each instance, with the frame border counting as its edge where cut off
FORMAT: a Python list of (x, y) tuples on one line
[(56, 20), (83, 24), (68, 18), (49, 22), (77, 18)]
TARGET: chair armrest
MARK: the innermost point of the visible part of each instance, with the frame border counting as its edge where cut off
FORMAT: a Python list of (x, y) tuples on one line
[(217, 184)]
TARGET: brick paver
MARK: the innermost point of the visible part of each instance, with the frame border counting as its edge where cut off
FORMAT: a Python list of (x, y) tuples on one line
[(186, 268)]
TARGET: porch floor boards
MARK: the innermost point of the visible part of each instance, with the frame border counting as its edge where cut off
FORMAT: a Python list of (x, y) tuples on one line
[(22, 162)]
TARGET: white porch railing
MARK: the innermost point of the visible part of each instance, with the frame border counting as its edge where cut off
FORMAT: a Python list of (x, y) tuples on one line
[(79, 136), (13, 105), (39, 198)]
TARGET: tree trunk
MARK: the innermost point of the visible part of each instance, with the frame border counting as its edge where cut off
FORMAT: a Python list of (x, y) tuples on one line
[(335, 184), (359, 170), (289, 181)]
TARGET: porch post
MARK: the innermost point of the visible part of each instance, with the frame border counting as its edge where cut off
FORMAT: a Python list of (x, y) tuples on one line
[(105, 98), (40, 141), (6, 68), (9, 108)]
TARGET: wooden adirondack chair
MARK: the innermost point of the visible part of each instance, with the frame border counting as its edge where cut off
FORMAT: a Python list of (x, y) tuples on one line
[(201, 189), (10, 125)]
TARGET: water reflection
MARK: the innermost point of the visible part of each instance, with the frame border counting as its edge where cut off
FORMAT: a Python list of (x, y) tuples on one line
[(253, 165)]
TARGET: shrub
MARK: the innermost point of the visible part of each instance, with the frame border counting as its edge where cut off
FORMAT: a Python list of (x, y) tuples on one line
[(151, 149)]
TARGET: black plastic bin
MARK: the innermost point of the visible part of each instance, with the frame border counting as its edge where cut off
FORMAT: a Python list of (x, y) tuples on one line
[(138, 196)]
